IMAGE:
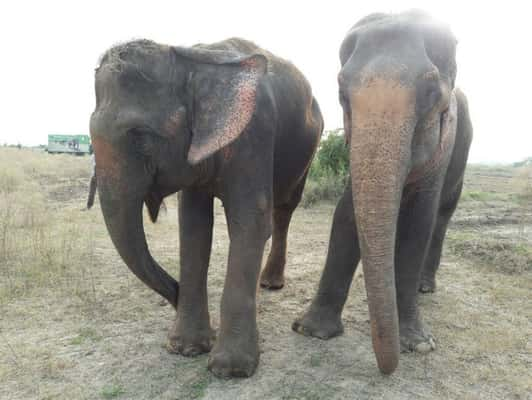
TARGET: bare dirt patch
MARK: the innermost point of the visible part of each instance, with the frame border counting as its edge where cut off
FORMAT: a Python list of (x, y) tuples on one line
[(76, 324)]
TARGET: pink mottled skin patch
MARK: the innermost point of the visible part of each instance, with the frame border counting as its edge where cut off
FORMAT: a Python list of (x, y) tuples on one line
[(174, 123), (107, 162), (237, 117), (250, 63), (227, 153)]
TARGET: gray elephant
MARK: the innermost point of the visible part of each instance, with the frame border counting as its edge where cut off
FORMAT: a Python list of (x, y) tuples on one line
[(226, 120), (409, 132)]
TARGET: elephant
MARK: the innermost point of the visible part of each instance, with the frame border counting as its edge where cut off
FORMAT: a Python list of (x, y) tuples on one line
[(227, 120), (408, 131)]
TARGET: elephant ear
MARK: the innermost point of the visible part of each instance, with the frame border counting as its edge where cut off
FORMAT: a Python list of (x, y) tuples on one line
[(222, 97), (440, 45)]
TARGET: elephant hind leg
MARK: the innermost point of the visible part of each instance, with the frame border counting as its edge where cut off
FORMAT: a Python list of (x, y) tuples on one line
[(272, 276), (427, 282)]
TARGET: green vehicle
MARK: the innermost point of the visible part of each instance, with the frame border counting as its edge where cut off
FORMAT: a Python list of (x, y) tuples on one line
[(75, 144)]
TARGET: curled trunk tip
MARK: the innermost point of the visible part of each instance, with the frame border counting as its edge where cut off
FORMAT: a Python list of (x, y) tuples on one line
[(123, 218)]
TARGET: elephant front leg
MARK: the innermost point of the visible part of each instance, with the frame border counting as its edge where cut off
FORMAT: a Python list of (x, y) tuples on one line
[(323, 318), (236, 351), (414, 232), (191, 333)]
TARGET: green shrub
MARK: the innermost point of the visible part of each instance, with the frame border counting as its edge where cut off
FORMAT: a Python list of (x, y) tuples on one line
[(324, 188), (332, 158), (329, 170)]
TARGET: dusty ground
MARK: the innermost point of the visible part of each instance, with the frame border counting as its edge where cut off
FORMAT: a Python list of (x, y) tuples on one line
[(75, 323)]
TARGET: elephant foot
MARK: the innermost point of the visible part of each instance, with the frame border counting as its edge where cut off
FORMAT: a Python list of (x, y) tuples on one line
[(321, 323), (272, 283), (238, 360), (190, 342), (271, 279), (414, 337), (427, 285)]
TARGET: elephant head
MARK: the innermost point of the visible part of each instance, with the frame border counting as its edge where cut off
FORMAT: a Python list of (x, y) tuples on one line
[(161, 111), (396, 89)]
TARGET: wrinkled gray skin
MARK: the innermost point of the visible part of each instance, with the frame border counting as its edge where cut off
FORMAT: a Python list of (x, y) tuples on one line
[(226, 120), (409, 133)]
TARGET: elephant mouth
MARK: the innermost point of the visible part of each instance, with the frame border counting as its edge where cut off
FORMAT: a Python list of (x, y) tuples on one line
[(447, 137)]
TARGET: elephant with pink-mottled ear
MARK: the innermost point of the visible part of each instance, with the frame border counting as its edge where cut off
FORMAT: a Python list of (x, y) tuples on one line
[(227, 120)]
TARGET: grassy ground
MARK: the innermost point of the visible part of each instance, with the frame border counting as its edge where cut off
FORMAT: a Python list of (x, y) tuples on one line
[(75, 323)]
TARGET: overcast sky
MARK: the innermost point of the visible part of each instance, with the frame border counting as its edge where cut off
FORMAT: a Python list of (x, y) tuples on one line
[(50, 49)]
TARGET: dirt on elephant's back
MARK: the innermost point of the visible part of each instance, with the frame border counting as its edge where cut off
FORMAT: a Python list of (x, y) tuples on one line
[(77, 324)]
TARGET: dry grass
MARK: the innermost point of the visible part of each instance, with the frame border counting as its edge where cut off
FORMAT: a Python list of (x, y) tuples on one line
[(494, 219), (39, 237), (76, 324)]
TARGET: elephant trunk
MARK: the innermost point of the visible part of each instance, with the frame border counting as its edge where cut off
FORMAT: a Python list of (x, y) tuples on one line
[(379, 160), (121, 205), (92, 190)]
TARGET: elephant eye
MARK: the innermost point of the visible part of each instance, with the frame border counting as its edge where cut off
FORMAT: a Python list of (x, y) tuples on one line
[(143, 140), (429, 96)]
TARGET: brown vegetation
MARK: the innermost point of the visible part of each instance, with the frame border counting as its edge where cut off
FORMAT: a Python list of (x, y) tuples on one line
[(75, 323)]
